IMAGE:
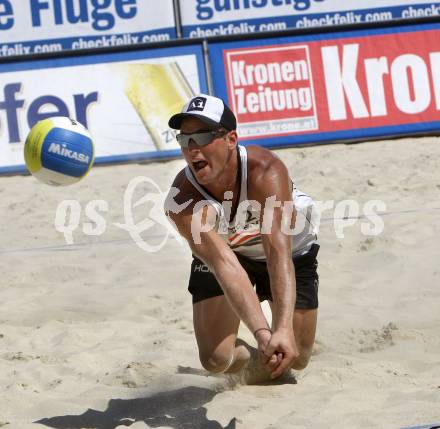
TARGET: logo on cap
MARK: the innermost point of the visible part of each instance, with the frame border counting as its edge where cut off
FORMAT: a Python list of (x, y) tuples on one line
[(197, 103)]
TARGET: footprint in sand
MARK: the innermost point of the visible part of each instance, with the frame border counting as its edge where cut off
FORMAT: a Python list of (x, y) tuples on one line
[(377, 339), (135, 374)]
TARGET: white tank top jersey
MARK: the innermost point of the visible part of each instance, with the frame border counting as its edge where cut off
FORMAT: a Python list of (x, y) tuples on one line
[(244, 232)]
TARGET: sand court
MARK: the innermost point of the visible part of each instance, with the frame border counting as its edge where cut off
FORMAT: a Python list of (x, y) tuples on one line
[(98, 334)]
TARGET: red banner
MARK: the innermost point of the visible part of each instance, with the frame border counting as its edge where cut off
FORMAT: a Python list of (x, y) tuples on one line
[(335, 84)]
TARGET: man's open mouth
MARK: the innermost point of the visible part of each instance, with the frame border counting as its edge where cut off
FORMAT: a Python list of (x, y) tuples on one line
[(199, 165)]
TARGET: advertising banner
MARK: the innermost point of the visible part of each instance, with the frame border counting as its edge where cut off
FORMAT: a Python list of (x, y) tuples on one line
[(207, 18), (41, 26), (125, 100), (342, 86)]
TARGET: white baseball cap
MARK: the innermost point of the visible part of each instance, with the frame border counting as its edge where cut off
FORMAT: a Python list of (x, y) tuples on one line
[(211, 110)]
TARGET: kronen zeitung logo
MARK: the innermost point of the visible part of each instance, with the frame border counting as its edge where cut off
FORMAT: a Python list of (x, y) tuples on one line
[(271, 89), (267, 98)]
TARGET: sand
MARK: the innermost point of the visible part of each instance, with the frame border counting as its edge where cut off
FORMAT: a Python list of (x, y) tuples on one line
[(99, 334)]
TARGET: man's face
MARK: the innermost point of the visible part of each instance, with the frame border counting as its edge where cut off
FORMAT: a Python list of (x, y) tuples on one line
[(206, 162)]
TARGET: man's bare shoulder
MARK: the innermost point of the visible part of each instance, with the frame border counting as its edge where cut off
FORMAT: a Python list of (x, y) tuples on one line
[(180, 181), (186, 189), (262, 161), (182, 196)]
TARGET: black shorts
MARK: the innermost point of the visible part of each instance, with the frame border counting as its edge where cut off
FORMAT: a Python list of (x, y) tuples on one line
[(203, 284)]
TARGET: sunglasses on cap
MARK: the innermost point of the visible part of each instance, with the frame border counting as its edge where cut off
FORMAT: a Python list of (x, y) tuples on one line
[(202, 138)]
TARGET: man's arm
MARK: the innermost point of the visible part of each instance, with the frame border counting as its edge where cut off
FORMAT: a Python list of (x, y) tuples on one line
[(273, 191), (210, 247)]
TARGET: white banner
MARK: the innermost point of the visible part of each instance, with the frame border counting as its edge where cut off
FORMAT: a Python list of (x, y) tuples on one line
[(124, 104), (36, 26), (205, 18)]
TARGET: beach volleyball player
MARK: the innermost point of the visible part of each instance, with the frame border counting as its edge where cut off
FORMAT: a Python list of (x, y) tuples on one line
[(236, 206)]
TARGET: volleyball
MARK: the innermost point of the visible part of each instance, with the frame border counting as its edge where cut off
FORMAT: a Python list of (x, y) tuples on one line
[(59, 151)]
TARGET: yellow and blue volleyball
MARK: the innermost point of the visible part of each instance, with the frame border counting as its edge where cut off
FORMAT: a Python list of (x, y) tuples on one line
[(59, 151)]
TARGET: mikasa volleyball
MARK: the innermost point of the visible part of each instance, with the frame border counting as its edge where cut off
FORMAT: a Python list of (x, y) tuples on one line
[(59, 151)]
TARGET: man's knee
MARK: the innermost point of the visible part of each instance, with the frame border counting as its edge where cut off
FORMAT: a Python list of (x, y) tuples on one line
[(303, 359), (217, 361)]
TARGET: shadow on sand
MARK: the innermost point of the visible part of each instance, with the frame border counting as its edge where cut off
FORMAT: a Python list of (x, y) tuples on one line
[(179, 409)]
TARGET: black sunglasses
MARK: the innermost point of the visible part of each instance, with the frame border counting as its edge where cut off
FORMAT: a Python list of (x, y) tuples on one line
[(202, 138)]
